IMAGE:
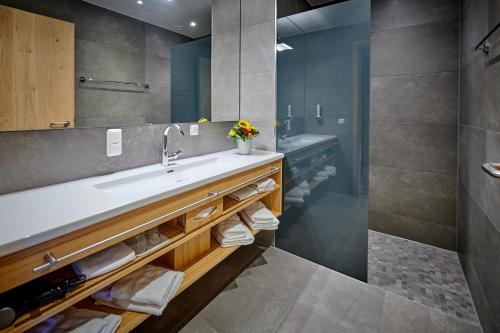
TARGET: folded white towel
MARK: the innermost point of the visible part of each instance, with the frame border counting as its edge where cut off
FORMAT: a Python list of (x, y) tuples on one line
[(258, 217), (298, 201), (264, 185), (325, 173), (304, 185), (241, 239), (104, 261), (295, 192), (330, 168), (320, 179), (79, 321), (205, 213), (231, 228), (103, 297), (243, 193), (147, 285)]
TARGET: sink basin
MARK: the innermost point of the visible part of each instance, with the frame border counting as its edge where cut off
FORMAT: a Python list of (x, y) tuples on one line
[(158, 175)]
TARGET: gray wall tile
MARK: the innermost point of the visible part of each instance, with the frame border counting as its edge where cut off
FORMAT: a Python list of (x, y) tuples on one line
[(227, 14), (258, 96), (418, 49), (226, 53), (423, 195), (257, 11), (258, 50), (419, 98), (225, 97), (414, 146), (394, 14)]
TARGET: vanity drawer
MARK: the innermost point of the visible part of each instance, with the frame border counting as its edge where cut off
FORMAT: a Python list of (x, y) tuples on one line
[(198, 217)]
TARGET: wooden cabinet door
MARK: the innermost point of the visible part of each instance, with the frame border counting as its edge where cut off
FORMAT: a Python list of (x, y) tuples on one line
[(37, 69)]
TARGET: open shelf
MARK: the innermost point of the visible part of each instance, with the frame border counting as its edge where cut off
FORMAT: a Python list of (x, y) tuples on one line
[(81, 296), (192, 273), (231, 204)]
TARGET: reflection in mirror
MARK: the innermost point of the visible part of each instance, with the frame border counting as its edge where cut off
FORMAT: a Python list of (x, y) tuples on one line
[(104, 63)]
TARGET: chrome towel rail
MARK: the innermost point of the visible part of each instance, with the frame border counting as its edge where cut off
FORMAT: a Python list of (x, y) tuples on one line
[(53, 261), (84, 79), (484, 45)]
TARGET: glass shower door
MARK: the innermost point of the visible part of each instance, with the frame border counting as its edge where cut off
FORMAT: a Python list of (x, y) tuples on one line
[(323, 103)]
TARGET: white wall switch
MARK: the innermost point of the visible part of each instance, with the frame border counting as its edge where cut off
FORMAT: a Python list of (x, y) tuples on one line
[(193, 130), (341, 121), (114, 142)]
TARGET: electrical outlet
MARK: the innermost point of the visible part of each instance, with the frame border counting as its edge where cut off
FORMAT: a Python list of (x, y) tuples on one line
[(193, 130), (113, 142), (341, 121)]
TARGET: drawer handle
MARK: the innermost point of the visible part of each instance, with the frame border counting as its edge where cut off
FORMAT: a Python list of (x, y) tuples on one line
[(53, 261), (60, 124), (210, 213)]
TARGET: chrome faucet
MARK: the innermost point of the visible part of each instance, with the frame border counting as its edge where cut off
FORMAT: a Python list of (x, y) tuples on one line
[(166, 156)]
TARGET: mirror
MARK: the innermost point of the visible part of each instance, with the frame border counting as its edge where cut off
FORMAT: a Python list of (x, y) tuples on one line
[(115, 63)]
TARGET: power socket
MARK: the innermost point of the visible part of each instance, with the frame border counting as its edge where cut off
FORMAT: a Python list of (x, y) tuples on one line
[(193, 130)]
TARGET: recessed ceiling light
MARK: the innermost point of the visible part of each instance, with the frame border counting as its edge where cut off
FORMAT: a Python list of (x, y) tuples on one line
[(192, 23), (283, 47), (139, 2)]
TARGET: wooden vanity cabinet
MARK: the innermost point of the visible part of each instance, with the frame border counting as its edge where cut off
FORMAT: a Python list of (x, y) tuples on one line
[(37, 57), (192, 251)]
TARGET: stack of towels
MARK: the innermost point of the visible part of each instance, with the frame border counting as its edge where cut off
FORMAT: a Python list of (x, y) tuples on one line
[(258, 217), (295, 196), (104, 261), (264, 185), (328, 171), (79, 321), (232, 232), (148, 290), (244, 193)]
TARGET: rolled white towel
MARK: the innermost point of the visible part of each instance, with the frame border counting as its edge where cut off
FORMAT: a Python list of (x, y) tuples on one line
[(244, 193), (148, 285), (80, 321), (104, 261), (264, 185), (295, 192)]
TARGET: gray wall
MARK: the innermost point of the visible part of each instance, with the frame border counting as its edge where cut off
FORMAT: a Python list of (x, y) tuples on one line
[(258, 69), (479, 193), (112, 46), (413, 125)]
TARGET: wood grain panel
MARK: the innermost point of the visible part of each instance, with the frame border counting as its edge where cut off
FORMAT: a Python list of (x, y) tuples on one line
[(37, 54)]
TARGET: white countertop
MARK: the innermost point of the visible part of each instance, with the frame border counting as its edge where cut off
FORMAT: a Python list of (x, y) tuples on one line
[(35, 216), (300, 141)]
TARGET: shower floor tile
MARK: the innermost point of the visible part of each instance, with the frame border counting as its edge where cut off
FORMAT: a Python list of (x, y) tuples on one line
[(419, 272)]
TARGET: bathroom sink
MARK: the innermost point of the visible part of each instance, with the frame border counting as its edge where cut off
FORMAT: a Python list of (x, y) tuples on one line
[(158, 175)]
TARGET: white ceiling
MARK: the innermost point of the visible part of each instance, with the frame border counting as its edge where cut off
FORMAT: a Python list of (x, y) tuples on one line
[(166, 14), (341, 14)]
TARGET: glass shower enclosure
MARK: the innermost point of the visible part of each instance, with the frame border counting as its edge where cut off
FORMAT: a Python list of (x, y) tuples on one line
[(323, 107)]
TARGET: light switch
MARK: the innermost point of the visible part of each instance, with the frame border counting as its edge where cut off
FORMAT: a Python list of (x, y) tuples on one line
[(193, 130), (114, 142), (341, 121)]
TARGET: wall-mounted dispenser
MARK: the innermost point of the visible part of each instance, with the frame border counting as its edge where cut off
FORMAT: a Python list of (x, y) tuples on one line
[(289, 113), (318, 111)]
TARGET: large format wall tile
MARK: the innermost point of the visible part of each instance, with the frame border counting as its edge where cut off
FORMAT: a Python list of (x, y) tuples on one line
[(473, 91), (472, 29), (419, 49), (414, 146), (257, 11), (258, 96), (258, 50), (422, 195), (413, 229), (394, 14), (418, 98)]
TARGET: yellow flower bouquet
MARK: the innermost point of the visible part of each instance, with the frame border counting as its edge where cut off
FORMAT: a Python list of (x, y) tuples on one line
[(243, 130)]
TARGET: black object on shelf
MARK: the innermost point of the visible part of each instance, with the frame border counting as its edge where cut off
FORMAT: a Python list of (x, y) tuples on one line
[(32, 295)]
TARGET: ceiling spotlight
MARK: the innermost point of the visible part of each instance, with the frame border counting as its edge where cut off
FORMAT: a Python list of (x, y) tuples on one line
[(192, 23), (283, 47), (139, 2)]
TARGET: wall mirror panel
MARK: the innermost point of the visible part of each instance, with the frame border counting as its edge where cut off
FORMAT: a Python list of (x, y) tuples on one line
[(115, 63)]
